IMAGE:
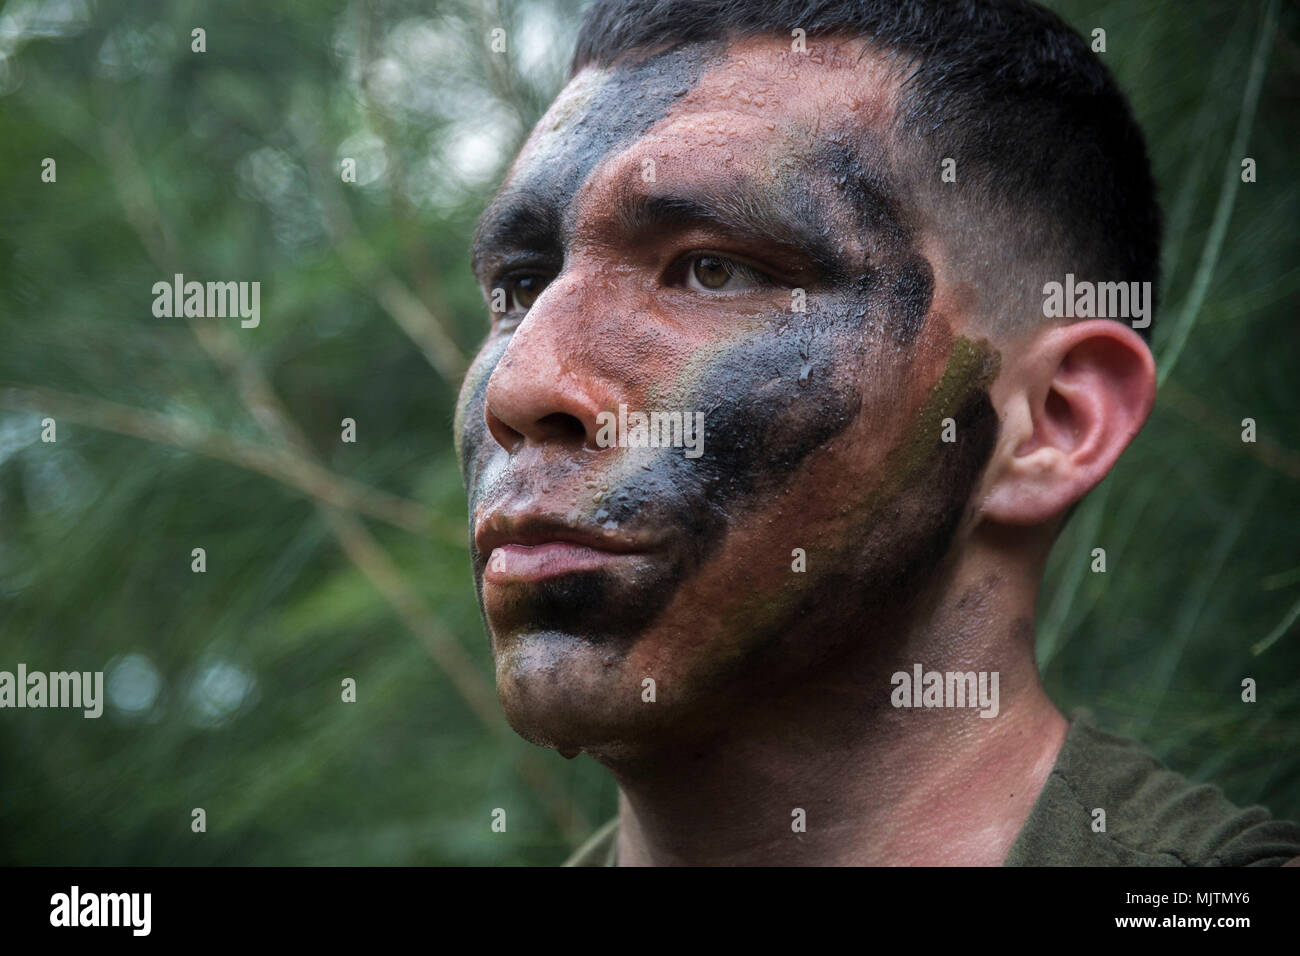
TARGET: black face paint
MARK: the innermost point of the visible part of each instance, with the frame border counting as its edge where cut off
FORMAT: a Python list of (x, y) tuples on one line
[(536, 210), (901, 274), (913, 290)]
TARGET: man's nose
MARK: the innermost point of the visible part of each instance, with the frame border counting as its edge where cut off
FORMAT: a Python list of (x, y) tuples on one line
[(546, 388)]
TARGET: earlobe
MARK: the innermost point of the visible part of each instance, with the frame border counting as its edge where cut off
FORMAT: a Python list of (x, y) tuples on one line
[(1078, 396)]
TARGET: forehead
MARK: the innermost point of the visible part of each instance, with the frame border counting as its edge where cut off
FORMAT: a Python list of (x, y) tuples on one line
[(708, 114), (713, 95)]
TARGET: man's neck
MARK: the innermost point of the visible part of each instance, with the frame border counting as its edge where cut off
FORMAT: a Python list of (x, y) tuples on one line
[(876, 784)]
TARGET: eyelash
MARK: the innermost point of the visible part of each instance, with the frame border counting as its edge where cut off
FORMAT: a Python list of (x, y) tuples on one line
[(684, 268), (678, 275), (508, 284)]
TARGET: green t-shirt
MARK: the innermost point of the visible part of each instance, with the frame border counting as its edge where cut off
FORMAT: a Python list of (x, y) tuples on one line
[(1154, 817)]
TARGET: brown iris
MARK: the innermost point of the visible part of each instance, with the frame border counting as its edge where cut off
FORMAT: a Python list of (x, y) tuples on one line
[(525, 290), (712, 272)]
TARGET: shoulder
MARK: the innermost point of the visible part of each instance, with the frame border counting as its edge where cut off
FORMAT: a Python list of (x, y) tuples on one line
[(1110, 802)]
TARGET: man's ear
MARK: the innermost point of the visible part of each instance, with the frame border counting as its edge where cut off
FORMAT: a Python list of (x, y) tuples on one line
[(1073, 402)]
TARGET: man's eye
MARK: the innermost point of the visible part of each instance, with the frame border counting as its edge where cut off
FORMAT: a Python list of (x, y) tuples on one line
[(518, 293), (708, 273)]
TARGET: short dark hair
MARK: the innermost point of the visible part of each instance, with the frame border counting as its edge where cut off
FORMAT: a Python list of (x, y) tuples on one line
[(1052, 163)]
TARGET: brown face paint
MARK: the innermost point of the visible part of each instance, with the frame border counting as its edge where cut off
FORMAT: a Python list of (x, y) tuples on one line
[(821, 432)]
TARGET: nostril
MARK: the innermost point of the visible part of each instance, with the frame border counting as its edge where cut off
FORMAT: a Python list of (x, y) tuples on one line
[(562, 427), (557, 427), (504, 435)]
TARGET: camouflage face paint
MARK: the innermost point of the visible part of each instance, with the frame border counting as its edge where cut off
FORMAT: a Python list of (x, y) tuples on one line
[(821, 425)]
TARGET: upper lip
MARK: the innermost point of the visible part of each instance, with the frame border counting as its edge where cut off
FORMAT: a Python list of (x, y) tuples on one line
[(500, 528)]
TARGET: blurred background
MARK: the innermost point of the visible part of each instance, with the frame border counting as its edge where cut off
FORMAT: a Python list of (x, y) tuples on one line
[(328, 560)]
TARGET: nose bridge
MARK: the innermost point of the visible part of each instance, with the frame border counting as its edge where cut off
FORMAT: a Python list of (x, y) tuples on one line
[(550, 382)]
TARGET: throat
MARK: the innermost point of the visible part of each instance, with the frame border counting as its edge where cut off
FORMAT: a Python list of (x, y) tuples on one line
[(856, 769)]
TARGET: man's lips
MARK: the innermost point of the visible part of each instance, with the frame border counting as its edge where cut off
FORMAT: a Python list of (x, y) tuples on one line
[(523, 563), (531, 548)]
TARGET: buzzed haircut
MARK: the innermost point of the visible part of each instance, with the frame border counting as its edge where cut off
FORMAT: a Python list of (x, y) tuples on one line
[(1053, 174)]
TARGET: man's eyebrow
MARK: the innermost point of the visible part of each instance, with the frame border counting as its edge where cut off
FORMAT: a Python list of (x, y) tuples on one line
[(790, 219), (521, 221), (516, 221)]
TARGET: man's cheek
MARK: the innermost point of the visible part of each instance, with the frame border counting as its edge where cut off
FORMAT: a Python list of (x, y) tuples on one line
[(470, 424), (767, 398)]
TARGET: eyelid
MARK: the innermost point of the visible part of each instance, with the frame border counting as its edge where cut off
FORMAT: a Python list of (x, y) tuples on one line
[(497, 320), (513, 274), (744, 266), (506, 279), (760, 275)]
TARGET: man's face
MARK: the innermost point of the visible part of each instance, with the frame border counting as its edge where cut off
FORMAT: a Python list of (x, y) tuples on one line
[(714, 230)]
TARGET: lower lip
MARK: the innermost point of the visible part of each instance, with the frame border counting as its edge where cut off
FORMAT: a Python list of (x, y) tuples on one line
[(519, 562)]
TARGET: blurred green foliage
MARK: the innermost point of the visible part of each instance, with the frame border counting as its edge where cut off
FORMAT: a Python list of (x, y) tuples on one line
[(328, 560)]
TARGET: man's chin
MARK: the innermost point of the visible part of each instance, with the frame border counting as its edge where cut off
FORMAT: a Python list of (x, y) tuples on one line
[(570, 693)]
